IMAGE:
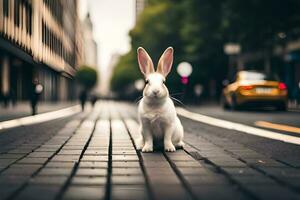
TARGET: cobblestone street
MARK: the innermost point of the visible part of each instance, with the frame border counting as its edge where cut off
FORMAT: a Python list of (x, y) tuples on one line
[(92, 155)]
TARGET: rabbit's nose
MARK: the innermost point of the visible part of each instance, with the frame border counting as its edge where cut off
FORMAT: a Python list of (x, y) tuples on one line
[(155, 92)]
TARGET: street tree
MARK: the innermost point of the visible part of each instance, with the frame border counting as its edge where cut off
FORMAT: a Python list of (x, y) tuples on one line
[(87, 77), (198, 30)]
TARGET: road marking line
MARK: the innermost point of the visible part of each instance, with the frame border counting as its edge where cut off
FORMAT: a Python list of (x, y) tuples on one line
[(24, 121), (280, 127), (238, 127)]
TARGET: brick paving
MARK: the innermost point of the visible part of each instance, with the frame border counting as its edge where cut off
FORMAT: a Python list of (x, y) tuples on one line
[(94, 157)]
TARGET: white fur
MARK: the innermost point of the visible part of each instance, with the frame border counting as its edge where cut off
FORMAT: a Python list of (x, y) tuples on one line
[(157, 114)]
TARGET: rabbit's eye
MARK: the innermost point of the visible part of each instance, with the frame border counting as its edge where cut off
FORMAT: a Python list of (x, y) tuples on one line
[(164, 81), (147, 81)]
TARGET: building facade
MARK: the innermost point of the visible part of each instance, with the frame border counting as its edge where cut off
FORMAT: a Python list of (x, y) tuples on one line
[(39, 42), (90, 55)]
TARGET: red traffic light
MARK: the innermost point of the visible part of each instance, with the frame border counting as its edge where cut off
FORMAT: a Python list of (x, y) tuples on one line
[(184, 80)]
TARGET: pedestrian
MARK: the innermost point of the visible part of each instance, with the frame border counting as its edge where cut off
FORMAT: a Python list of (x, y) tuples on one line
[(13, 97), (82, 98), (37, 89), (93, 99), (5, 99)]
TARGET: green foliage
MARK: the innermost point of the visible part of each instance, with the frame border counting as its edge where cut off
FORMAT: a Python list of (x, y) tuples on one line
[(198, 30), (125, 72), (256, 24), (87, 77), (202, 40), (155, 30)]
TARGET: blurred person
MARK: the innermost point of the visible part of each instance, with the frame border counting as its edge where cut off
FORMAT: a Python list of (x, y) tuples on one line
[(5, 99), (296, 94), (13, 97), (198, 90), (82, 98), (36, 91), (93, 99)]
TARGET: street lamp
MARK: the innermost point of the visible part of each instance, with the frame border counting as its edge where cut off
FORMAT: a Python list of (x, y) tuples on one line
[(184, 69), (231, 49), (198, 90)]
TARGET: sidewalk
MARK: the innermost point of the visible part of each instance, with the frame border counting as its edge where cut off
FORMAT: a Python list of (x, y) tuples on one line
[(23, 109), (94, 157)]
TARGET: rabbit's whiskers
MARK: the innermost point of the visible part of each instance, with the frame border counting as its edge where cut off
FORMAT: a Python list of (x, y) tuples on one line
[(178, 101), (137, 100), (176, 94)]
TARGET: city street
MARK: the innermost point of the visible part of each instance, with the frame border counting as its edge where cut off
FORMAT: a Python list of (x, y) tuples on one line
[(86, 91), (92, 155), (251, 117)]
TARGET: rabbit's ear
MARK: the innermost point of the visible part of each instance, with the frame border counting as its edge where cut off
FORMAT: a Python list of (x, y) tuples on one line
[(145, 62), (165, 62)]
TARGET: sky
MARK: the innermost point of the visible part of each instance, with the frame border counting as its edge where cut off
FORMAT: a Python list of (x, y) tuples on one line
[(112, 20)]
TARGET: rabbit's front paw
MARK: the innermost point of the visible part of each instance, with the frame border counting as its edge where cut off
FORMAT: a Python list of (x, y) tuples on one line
[(147, 148), (139, 143), (180, 145), (170, 147), (139, 146)]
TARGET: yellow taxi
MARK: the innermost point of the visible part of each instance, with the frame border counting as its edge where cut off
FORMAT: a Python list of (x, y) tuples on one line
[(252, 88)]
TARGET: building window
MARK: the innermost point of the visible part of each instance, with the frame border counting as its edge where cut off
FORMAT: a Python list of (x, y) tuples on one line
[(17, 12), (56, 9), (43, 33), (28, 13), (52, 41), (5, 8)]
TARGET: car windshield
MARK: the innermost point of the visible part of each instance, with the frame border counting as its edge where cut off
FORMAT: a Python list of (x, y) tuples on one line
[(256, 76)]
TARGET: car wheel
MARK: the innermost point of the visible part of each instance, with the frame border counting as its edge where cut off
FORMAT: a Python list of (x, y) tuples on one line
[(234, 105), (224, 103)]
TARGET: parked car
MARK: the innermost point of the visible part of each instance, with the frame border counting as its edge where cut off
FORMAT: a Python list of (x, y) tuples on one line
[(252, 88)]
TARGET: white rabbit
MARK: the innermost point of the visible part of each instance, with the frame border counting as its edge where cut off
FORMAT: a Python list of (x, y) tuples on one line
[(157, 114)]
